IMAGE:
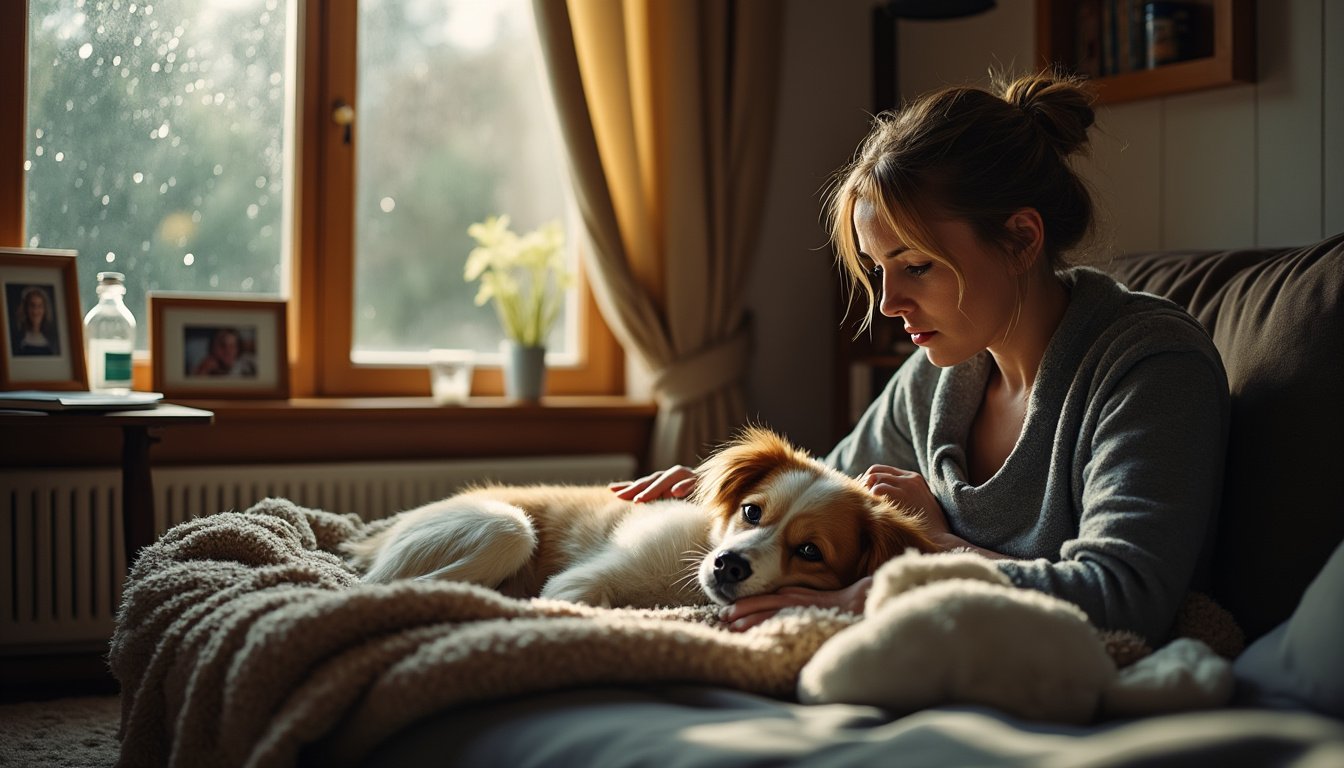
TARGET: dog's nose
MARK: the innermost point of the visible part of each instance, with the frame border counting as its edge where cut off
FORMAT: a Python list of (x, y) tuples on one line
[(731, 568)]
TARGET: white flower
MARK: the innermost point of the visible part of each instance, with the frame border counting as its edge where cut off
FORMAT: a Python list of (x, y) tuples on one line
[(525, 276)]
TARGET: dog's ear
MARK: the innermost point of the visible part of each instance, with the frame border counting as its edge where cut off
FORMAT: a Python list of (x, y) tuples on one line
[(889, 531), (740, 465)]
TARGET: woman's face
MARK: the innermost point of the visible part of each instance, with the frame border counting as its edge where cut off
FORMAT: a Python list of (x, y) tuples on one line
[(922, 292), (36, 309)]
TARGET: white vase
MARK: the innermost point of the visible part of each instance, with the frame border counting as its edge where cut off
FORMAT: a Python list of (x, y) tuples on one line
[(524, 371)]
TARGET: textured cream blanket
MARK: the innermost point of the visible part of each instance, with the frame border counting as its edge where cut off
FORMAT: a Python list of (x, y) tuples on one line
[(244, 639)]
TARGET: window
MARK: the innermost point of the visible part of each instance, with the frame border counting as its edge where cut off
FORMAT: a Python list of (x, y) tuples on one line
[(191, 144), (454, 126), (155, 143)]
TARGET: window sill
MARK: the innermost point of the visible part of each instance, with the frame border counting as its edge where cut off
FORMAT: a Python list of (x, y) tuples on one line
[(362, 429)]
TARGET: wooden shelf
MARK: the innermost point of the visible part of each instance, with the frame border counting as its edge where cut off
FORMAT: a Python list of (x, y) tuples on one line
[(1233, 59), (351, 429)]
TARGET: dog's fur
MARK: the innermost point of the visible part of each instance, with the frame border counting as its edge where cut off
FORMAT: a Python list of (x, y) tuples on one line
[(585, 545)]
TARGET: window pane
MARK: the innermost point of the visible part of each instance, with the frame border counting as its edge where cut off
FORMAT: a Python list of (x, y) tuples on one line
[(454, 126), (156, 142)]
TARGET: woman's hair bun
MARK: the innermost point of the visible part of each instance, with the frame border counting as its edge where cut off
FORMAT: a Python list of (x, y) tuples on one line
[(1059, 105)]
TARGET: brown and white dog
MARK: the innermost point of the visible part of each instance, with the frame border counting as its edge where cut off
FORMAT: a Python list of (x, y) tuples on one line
[(764, 515)]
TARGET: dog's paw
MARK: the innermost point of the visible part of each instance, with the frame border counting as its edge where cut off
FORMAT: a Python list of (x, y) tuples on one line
[(912, 569)]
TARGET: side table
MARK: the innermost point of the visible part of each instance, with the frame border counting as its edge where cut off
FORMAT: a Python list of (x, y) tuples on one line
[(137, 489)]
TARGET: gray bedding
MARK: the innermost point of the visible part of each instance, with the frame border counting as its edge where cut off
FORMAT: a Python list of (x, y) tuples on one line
[(672, 726), (1288, 711)]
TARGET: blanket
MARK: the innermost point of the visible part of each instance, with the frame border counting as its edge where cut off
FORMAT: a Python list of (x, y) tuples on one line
[(244, 639)]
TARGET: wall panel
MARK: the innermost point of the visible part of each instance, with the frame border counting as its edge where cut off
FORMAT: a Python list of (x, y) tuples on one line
[(1124, 171), (1289, 124), (1001, 38), (824, 106), (1208, 169), (1332, 120)]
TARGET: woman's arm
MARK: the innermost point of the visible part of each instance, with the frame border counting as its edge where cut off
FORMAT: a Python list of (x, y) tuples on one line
[(207, 366), (750, 611), (1148, 482)]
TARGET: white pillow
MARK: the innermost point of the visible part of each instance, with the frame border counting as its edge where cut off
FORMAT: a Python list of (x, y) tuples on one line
[(1300, 664)]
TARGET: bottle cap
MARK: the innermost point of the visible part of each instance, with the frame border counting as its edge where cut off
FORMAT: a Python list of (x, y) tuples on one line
[(111, 277)]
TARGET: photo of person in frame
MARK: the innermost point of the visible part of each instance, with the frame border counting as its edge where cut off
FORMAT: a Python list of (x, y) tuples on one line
[(220, 351), (34, 325)]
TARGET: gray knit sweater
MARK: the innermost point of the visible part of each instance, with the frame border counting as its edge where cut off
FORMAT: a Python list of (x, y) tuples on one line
[(1107, 499)]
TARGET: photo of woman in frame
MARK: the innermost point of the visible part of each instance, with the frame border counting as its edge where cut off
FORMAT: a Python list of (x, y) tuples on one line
[(41, 333), (34, 323)]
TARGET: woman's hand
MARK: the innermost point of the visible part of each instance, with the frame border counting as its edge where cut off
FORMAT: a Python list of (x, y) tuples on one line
[(672, 483), (207, 367), (910, 490), (750, 611)]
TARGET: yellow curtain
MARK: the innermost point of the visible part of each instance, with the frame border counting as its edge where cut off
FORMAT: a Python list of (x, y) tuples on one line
[(668, 110)]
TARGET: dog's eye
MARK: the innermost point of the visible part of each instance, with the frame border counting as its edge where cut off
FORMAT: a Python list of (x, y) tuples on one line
[(809, 551), (752, 513)]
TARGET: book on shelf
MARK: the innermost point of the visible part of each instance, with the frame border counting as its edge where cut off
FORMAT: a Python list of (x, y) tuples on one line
[(1113, 37), (1110, 37)]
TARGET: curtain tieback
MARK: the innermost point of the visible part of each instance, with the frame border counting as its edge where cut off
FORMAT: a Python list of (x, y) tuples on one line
[(705, 372)]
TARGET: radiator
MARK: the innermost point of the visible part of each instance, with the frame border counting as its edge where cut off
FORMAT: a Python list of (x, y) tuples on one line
[(61, 530)]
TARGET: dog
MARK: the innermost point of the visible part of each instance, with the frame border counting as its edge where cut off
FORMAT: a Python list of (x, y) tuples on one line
[(764, 515)]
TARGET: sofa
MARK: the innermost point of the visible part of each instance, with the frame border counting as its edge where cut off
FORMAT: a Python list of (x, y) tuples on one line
[(202, 684)]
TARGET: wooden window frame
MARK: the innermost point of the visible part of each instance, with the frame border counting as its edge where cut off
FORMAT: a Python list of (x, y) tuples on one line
[(321, 292)]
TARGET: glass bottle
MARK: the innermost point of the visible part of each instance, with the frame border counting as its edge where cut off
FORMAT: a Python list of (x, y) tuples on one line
[(109, 337)]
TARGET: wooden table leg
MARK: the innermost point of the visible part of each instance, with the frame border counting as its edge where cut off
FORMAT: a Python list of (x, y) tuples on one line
[(137, 491)]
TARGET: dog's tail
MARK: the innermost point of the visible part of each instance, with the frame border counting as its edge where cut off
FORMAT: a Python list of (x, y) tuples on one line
[(462, 538)]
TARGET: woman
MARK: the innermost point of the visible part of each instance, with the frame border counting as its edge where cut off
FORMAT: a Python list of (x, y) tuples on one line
[(1066, 427), (34, 328)]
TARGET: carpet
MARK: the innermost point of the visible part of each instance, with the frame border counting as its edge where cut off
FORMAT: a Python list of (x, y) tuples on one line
[(66, 733)]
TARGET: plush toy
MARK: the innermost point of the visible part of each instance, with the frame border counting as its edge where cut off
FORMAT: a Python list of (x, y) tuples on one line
[(951, 628)]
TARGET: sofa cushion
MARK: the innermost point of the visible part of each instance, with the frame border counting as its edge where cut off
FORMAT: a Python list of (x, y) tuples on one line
[(1277, 318)]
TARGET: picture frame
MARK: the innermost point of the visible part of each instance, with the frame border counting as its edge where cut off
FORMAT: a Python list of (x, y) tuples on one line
[(40, 321), (208, 345)]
